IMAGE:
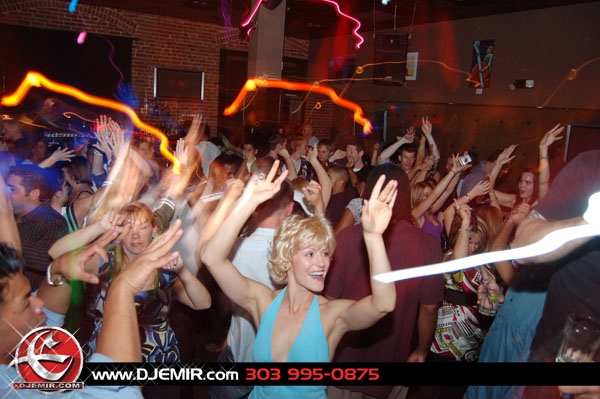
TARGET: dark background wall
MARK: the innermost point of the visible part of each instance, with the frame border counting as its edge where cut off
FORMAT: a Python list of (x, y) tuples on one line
[(544, 45), (157, 41)]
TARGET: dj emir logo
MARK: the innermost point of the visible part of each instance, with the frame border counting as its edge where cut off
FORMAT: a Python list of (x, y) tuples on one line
[(49, 359)]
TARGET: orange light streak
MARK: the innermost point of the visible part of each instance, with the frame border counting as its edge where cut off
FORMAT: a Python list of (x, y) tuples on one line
[(253, 83), (35, 79), (69, 113), (570, 76)]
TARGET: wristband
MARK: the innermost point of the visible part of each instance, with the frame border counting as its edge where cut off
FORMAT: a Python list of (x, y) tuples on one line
[(56, 283), (468, 198)]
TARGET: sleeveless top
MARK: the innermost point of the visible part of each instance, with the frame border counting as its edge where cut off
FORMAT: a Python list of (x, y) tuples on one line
[(310, 346), (432, 228), (68, 213), (159, 344)]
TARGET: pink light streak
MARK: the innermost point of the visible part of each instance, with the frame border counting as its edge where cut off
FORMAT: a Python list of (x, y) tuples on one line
[(252, 14), (355, 31)]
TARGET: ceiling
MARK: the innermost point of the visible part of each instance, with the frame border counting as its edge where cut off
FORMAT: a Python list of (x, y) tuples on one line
[(311, 19)]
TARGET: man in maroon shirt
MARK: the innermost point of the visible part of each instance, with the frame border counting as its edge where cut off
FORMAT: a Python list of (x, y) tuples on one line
[(418, 299)]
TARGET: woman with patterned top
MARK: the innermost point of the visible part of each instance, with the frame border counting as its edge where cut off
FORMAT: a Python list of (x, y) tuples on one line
[(460, 327), (158, 339)]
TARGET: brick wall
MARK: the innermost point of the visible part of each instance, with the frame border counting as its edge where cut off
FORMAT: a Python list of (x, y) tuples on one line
[(160, 41)]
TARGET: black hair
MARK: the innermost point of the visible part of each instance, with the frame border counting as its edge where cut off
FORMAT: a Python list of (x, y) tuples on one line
[(402, 209), (32, 177), (10, 264)]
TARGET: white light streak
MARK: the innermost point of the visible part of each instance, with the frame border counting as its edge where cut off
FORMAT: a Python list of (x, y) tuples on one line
[(549, 243)]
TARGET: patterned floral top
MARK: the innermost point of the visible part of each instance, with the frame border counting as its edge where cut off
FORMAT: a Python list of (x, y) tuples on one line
[(458, 332), (159, 344)]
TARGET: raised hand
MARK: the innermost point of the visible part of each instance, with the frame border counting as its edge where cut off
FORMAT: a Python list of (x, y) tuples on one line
[(409, 137), (114, 220), (117, 134), (464, 211), (139, 274), (181, 152), (311, 155), (194, 135), (312, 193), (62, 154), (376, 146), (426, 126), (457, 167), (261, 188), (551, 136), (71, 265), (338, 154), (505, 156), (428, 163), (483, 187), (377, 210)]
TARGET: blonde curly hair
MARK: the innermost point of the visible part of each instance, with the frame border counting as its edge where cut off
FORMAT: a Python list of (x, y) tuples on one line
[(296, 233)]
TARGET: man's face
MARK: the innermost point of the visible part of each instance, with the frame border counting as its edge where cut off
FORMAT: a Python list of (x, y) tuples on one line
[(307, 131), (249, 152), (39, 151), (352, 153), (323, 153), (407, 160), (20, 312), (145, 150), (19, 198), (303, 148)]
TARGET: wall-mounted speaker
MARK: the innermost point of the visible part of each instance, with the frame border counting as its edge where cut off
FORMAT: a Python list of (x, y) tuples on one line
[(390, 58)]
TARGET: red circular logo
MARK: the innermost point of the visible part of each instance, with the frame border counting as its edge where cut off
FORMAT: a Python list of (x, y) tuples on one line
[(49, 354)]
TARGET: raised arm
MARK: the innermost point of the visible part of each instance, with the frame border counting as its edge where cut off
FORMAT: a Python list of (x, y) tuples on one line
[(9, 233), (375, 154), (72, 266), (481, 188), (244, 292), (391, 150), (82, 237), (461, 246), (322, 175), (439, 189), (312, 193), (187, 288), (62, 154), (457, 170), (506, 269), (544, 179), (427, 128), (376, 215), (292, 174), (505, 157), (119, 337)]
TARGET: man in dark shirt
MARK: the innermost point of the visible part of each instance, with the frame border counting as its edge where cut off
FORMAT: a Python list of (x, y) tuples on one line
[(575, 288), (341, 193), (39, 225), (389, 340)]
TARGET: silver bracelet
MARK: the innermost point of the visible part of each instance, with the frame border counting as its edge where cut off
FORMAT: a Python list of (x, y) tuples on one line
[(56, 283)]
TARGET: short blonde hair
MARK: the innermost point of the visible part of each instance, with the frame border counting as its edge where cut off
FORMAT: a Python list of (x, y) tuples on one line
[(296, 233)]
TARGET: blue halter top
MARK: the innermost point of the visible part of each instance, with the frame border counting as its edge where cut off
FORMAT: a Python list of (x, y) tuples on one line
[(310, 346)]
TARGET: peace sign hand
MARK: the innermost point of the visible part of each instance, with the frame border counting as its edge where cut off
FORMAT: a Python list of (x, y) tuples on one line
[(377, 210)]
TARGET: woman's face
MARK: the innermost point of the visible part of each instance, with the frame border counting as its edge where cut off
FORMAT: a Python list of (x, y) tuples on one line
[(138, 237), (474, 243), (309, 268), (526, 185)]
